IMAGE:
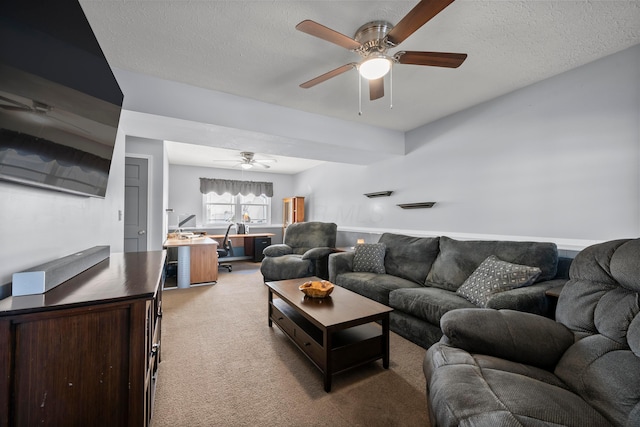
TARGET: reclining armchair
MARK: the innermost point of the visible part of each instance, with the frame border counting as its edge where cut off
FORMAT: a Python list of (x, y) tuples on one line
[(509, 368), (305, 252)]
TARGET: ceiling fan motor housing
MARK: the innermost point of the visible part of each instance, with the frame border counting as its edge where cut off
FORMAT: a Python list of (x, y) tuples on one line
[(247, 156), (372, 37)]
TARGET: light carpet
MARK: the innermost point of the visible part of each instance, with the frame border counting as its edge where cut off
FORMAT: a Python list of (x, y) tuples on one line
[(222, 365)]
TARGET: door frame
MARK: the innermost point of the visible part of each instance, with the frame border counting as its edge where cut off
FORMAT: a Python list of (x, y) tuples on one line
[(149, 160)]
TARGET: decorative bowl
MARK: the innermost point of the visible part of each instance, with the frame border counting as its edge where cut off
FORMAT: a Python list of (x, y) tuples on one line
[(317, 289)]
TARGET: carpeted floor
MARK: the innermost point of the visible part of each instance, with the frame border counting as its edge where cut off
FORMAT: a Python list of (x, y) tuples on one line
[(223, 366)]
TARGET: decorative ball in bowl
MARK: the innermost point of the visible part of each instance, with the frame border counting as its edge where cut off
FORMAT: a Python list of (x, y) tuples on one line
[(317, 289)]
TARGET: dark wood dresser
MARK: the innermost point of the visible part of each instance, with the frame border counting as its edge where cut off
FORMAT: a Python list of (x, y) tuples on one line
[(85, 353)]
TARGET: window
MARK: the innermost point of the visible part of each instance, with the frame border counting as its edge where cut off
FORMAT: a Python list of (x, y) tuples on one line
[(255, 209), (221, 209)]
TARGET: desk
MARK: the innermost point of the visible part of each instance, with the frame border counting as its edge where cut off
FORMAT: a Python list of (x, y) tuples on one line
[(197, 260), (246, 241)]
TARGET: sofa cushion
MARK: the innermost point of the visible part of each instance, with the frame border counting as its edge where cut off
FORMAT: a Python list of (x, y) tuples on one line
[(601, 305), (278, 249), (372, 285), (604, 373), (369, 257), (409, 257), (464, 392), (493, 276), (429, 304), (286, 267), (302, 236), (491, 362), (519, 337), (458, 259)]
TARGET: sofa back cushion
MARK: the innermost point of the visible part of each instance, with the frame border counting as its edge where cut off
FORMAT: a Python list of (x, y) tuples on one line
[(601, 305), (458, 259), (409, 257), (302, 236)]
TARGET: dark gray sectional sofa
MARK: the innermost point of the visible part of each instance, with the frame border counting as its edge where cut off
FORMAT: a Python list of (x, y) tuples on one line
[(520, 369), (422, 275)]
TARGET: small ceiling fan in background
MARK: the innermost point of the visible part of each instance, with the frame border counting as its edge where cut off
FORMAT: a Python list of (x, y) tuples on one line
[(247, 161), (36, 107), (373, 40)]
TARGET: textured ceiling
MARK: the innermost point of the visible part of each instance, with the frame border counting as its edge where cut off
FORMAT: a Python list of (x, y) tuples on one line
[(251, 49)]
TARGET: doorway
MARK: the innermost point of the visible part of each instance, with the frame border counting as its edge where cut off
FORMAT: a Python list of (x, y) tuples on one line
[(136, 190)]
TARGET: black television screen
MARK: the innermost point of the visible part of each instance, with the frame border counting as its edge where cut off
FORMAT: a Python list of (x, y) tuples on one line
[(59, 101)]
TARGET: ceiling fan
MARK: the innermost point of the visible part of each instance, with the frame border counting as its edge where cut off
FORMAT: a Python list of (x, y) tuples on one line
[(248, 161), (36, 107), (373, 40)]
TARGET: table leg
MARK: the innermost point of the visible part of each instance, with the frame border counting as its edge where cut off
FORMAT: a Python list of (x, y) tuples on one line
[(385, 341), (328, 365), (184, 266), (269, 308)]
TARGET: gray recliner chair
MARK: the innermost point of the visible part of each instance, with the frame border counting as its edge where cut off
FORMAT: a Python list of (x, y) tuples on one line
[(508, 368), (305, 252)]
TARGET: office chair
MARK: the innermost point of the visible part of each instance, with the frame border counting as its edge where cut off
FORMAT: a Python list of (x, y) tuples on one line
[(225, 250)]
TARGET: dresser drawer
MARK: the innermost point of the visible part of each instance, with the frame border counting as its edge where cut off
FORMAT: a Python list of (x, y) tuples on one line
[(282, 320), (302, 332), (309, 346)]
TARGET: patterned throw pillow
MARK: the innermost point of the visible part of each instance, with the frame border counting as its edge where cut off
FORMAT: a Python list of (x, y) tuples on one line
[(493, 276), (369, 257)]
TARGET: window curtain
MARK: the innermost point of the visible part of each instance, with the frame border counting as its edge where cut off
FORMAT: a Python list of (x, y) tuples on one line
[(221, 186)]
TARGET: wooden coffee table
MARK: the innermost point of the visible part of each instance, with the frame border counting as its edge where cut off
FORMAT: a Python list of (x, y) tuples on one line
[(336, 333)]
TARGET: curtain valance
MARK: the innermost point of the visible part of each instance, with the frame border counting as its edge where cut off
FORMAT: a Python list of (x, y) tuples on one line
[(232, 186)]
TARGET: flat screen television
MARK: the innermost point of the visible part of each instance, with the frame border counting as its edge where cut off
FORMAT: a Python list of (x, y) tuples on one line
[(59, 100)]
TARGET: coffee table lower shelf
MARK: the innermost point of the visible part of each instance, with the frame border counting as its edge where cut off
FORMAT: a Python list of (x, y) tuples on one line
[(331, 352)]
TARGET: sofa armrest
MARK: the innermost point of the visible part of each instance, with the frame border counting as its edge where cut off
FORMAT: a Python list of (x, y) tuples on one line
[(278, 249), (317, 253), (341, 262), (513, 335), (530, 299)]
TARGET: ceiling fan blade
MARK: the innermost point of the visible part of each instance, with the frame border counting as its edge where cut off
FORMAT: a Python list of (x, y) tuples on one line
[(325, 33), (262, 165), (434, 59), (376, 88), (328, 75), (14, 108), (416, 18), (66, 123), (265, 161), (18, 105)]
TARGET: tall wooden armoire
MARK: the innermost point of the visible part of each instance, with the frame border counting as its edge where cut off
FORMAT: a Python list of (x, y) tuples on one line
[(293, 211)]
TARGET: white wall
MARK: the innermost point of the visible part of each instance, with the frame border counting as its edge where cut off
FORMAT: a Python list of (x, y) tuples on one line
[(557, 160), (38, 226), (206, 117), (185, 196)]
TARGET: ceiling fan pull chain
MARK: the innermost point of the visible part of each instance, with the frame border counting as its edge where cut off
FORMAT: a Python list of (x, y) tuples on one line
[(391, 88), (359, 94)]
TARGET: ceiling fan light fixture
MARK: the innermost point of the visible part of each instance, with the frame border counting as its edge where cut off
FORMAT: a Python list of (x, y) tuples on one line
[(375, 67), (246, 165)]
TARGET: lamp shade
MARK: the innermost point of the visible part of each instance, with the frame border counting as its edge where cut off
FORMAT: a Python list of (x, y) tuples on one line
[(375, 67)]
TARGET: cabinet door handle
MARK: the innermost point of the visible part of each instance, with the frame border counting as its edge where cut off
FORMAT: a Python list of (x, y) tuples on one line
[(307, 344), (154, 348)]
